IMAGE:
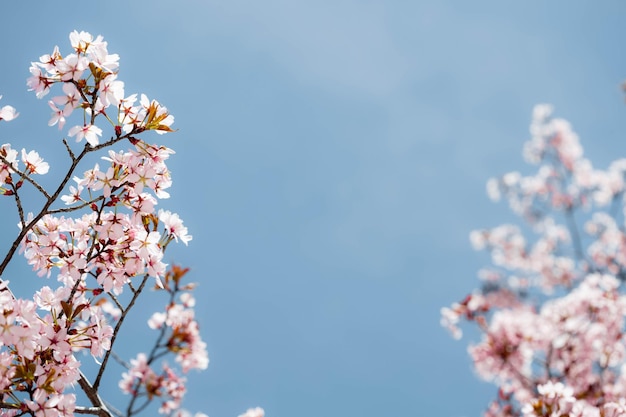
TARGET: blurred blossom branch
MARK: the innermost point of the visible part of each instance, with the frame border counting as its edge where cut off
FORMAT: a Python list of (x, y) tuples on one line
[(552, 308)]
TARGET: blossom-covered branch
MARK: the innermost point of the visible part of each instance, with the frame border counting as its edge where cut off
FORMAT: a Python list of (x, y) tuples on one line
[(103, 257), (117, 240)]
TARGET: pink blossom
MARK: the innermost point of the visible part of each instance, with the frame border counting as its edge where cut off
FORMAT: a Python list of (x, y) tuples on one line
[(8, 113), (112, 91), (71, 67), (34, 163), (9, 164), (89, 132), (73, 196), (80, 41), (58, 115), (38, 81), (174, 226)]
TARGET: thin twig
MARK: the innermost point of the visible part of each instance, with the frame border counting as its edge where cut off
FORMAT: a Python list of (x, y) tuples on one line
[(69, 150), (25, 176), (118, 325), (151, 358), (74, 208), (114, 298)]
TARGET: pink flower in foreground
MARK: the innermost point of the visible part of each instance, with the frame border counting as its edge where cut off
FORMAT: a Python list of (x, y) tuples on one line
[(73, 196), (111, 91), (72, 67), (89, 132), (38, 82), (156, 116), (58, 115), (70, 101), (174, 226), (146, 243), (80, 40), (34, 163)]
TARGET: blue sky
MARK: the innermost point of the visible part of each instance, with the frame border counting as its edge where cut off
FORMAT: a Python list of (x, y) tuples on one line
[(331, 161)]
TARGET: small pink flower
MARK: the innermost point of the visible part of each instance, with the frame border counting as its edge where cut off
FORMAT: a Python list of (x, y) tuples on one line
[(111, 91), (34, 163), (89, 132), (38, 82), (8, 113), (174, 226)]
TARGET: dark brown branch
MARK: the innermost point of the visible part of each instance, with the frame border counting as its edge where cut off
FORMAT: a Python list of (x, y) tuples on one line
[(92, 394), (118, 325)]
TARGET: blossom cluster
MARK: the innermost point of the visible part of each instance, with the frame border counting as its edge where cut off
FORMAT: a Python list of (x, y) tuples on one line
[(107, 240), (556, 399), (551, 307), (104, 244), (179, 335), (184, 339), (89, 79), (9, 164)]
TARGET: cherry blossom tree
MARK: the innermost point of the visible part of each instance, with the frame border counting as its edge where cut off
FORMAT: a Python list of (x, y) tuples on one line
[(97, 232), (551, 308)]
